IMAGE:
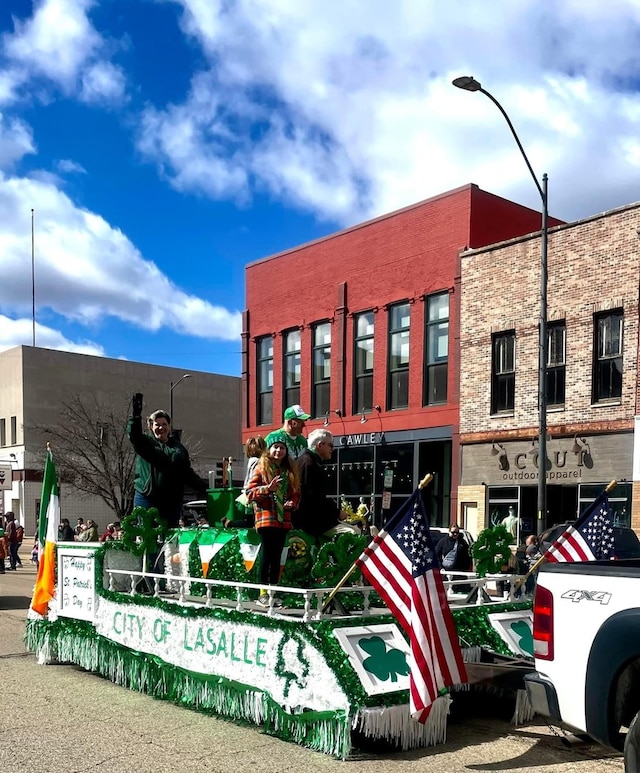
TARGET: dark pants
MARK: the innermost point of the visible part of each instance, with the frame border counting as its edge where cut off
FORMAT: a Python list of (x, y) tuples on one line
[(170, 514), (272, 539), (14, 559)]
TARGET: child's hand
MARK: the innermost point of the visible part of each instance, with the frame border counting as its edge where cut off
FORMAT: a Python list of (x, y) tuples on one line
[(275, 483)]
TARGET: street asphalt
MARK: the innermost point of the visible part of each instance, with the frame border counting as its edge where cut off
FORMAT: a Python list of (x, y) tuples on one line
[(61, 719)]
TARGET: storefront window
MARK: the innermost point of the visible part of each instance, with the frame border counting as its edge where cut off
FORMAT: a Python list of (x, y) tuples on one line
[(619, 499)]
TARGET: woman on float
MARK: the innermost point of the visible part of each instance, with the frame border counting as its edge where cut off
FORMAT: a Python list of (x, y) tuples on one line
[(274, 491)]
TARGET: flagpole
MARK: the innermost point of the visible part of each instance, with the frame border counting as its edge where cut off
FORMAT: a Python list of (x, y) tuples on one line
[(423, 484), (543, 559)]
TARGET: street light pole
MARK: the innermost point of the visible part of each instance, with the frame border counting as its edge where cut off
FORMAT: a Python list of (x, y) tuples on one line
[(468, 83), (172, 386)]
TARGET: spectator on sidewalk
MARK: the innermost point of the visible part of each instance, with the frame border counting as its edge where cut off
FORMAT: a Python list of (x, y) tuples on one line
[(65, 532), (11, 534), (4, 550)]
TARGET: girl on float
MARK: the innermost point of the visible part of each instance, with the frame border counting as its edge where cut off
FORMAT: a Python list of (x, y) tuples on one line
[(274, 491)]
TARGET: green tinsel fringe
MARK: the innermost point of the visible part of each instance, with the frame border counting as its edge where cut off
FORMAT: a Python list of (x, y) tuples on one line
[(74, 641)]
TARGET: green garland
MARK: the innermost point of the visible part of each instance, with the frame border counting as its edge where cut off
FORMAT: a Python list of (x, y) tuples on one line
[(336, 557), (77, 642)]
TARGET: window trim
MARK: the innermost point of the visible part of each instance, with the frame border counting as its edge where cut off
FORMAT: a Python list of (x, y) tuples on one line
[(391, 333), (508, 375), (288, 354), (358, 378), (428, 365), (560, 367), (599, 359), (315, 383), (259, 391)]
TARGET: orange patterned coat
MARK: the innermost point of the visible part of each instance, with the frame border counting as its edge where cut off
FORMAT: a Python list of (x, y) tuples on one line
[(263, 503)]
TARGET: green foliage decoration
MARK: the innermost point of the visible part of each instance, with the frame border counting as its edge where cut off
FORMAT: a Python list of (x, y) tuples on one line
[(491, 551), (142, 529)]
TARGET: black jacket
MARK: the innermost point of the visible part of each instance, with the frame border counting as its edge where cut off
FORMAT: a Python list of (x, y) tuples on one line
[(463, 559), (316, 513)]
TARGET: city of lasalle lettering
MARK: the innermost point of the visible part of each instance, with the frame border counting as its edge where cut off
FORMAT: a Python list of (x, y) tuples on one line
[(236, 647)]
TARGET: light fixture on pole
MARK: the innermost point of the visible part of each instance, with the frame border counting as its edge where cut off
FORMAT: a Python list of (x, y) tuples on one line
[(468, 83), (172, 386)]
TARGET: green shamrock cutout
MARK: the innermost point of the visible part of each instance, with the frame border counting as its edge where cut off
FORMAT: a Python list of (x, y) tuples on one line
[(522, 629), (141, 530), (382, 663)]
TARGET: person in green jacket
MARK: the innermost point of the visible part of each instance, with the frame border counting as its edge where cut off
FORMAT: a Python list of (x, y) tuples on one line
[(162, 465)]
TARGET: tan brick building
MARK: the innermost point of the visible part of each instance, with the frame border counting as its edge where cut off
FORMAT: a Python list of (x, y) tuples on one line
[(35, 382), (592, 372)]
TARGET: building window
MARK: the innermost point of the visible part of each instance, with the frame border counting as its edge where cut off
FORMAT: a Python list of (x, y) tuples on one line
[(363, 327), (14, 431), (291, 368), (503, 373), (3, 432), (264, 384), (398, 376), (607, 360), (437, 349), (556, 362), (321, 396)]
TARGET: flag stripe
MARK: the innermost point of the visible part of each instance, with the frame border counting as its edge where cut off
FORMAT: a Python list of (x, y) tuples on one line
[(588, 539), (49, 521), (401, 566)]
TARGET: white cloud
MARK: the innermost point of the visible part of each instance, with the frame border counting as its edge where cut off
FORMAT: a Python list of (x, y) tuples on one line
[(103, 82), (350, 113), (16, 141), (19, 332), (86, 270), (68, 166), (60, 43)]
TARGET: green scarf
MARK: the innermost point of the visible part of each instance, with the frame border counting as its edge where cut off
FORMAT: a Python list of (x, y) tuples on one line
[(280, 494)]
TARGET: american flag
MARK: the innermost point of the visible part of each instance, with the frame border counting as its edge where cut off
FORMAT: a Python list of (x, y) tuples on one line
[(590, 538), (401, 565)]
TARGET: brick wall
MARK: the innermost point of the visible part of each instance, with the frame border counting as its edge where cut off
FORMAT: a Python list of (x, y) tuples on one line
[(593, 265)]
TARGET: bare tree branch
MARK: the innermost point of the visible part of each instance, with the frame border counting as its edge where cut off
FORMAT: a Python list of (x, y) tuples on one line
[(92, 451)]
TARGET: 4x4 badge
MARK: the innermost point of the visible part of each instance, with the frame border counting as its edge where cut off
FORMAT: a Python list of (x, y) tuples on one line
[(590, 595)]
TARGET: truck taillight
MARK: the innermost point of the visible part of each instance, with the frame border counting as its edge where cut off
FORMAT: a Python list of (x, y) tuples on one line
[(543, 624)]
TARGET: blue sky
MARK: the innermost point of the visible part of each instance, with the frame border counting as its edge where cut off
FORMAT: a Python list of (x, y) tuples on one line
[(165, 144)]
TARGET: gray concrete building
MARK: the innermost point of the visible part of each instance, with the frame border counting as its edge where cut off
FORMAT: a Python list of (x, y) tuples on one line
[(36, 384)]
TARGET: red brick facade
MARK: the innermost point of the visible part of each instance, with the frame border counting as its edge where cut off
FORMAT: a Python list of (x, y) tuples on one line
[(403, 256)]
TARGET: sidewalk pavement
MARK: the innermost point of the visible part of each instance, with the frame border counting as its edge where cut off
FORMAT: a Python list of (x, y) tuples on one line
[(61, 719)]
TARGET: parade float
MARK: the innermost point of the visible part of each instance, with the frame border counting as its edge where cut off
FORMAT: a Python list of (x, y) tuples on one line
[(182, 624)]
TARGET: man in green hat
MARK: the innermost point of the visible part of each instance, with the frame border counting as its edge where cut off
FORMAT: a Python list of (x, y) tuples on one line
[(294, 423)]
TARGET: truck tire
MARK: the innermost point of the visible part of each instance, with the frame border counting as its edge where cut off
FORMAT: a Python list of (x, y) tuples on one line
[(632, 747)]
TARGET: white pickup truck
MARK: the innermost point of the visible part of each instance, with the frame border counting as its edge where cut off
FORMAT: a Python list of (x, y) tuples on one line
[(586, 639)]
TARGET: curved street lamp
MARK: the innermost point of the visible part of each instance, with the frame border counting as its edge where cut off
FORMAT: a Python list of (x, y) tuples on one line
[(173, 385), (467, 83)]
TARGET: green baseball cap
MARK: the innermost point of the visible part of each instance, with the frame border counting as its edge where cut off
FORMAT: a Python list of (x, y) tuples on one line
[(296, 412)]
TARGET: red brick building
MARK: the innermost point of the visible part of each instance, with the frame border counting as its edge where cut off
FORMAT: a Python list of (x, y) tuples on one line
[(592, 372), (361, 328)]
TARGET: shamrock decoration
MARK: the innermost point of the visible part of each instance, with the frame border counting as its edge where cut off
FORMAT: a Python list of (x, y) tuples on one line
[(523, 630), (142, 529), (491, 550), (335, 558), (382, 663)]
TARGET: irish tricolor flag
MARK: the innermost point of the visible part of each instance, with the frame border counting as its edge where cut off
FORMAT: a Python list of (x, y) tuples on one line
[(47, 537)]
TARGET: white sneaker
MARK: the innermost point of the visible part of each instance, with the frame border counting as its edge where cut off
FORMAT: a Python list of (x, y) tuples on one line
[(263, 600)]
